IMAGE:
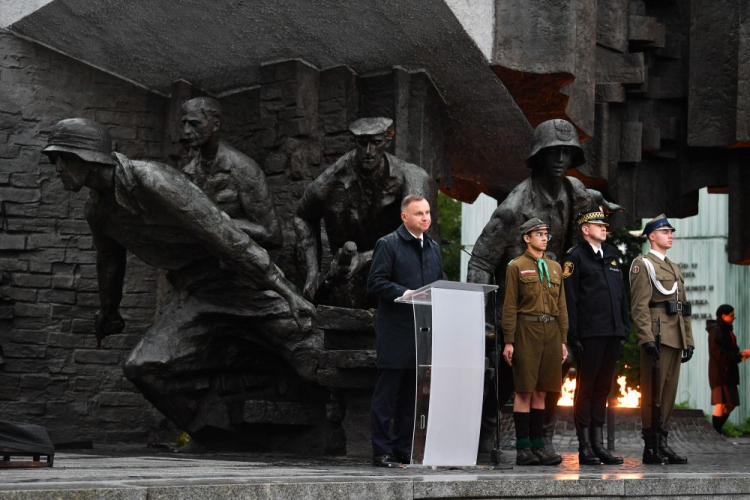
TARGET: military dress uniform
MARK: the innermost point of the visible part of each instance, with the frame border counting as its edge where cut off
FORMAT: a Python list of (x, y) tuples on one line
[(599, 324), (649, 307)]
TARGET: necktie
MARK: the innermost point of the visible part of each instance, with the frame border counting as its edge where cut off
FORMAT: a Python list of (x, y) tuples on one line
[(599, 254), (542, 265)]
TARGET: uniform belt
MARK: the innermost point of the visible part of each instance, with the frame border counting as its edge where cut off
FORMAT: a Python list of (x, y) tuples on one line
[(544, 318), (663, 305)]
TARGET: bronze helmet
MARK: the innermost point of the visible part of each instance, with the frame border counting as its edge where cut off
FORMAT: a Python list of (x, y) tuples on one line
[(556, 133), (84, 138)]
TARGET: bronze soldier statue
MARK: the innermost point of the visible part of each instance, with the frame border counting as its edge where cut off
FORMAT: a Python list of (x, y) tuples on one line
[(358, 199), (225, 285), (548, 195), (233, 180)]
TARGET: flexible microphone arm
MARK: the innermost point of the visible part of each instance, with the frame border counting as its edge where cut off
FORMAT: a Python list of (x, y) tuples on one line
[(489, 267)]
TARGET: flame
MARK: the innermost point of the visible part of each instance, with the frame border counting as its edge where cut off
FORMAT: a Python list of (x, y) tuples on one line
[(628, 398)]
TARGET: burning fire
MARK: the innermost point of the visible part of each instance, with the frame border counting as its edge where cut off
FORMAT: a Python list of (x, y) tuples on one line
[(629, 397)]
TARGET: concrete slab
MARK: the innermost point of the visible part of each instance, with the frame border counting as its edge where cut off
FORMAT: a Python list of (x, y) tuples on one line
[(146, 473)]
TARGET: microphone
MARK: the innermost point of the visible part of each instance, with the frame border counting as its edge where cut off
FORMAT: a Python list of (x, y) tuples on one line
[(490, 267)]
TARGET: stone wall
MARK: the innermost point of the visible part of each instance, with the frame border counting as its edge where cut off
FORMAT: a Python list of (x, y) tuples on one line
[(294, 124), (53, 374)]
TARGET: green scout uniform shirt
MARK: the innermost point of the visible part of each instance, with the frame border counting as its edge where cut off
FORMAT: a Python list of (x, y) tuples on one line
[(676, 330), (527, 293)]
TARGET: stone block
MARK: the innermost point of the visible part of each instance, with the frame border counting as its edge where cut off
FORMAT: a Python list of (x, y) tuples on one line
[(19, 294), (348, 359), (12, 241), (612, 67), (646, 29), (24, 351), (57, 296), (37, 337), (31, 280), (96, 357), (340, 318), (31, 310), (120, 399), (19, 195), (630, 142), (282, 413), (612, 24), (14, 264), (350, 379), (35, 381), (342, 340)]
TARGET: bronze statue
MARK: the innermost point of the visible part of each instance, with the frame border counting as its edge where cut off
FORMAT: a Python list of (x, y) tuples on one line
[(551, 196), (358, 198), (233, 180), (227, 291)]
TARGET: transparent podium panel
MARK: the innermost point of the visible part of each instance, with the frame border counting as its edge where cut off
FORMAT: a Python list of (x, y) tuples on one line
[(449, 335)]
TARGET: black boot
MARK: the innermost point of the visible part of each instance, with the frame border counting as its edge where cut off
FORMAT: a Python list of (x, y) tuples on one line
[(718, 422), (651, 453), (597, 446), (586, 455), (672, 457), (548, 435)]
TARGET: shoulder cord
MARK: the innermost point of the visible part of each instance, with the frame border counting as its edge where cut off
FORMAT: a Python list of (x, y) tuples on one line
[(657, 283)]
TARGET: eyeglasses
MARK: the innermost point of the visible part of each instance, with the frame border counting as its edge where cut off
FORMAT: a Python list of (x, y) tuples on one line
[(542, 236)]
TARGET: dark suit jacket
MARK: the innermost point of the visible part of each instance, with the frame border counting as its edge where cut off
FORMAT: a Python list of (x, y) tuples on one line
[(595, 293), (723, 355), (399, 264)]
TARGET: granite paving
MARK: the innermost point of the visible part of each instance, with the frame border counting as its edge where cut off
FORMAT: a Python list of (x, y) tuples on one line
[(721, 471)]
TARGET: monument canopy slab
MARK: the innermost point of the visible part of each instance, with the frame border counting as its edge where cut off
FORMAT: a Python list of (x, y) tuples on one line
[(219, 47)]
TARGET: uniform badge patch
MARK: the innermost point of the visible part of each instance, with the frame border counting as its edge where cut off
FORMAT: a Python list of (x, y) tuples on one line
[(528, 271), (568, 268), (636, 269), (614, 262)]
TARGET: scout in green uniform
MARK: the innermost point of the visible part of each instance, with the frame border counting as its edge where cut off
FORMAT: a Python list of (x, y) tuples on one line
[(535, 325), (658, 295)]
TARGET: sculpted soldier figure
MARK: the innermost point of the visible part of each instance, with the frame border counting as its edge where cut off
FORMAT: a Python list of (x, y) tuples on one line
[(358, 198), (599, 326), (548, 195), (659, 306), (535, 325), (230, 178), (226, 286)]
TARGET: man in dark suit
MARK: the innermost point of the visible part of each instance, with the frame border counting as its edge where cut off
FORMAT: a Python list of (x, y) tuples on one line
[(403, 261), (599, 327)]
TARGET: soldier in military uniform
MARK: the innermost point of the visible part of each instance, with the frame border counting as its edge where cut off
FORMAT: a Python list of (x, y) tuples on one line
[(658, 301), (599, 326), (535, 325)]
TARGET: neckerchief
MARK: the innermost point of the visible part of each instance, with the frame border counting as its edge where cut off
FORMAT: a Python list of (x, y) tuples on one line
[(542, 265)]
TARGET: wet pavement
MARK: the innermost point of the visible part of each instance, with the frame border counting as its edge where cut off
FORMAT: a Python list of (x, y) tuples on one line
[(140, 473)]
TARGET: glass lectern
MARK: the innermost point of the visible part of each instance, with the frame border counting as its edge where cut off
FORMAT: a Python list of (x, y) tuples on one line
[(449, 333)]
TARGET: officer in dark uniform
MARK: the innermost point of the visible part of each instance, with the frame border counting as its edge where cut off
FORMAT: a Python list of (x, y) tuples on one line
[(599, 326)]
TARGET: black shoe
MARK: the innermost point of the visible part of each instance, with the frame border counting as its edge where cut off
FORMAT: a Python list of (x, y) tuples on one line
[(404, 458), (386, 461), (651, 453), (597, 446), (586, 455), (669, 453), (547, 457), (526, 457)]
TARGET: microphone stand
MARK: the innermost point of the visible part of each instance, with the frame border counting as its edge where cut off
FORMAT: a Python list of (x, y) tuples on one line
[(495, 454)]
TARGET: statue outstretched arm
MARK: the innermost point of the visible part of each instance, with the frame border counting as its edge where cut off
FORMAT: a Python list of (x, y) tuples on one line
[(110, 271), (597, 198)]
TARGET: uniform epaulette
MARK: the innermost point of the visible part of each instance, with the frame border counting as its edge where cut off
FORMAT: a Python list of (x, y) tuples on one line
[(511, 261), (570, 249)]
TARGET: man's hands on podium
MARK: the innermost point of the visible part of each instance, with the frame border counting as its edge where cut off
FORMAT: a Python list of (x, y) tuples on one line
[(407, 294)]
